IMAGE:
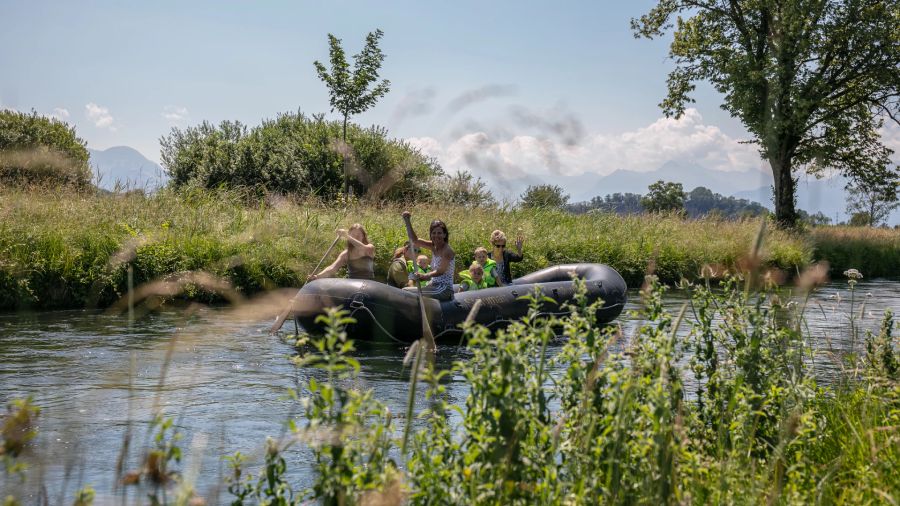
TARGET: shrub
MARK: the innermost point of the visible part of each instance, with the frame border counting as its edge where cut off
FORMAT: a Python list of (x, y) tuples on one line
[(296, 154), (40, 151)]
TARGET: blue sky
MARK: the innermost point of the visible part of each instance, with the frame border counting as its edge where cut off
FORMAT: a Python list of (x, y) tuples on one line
[(499, 88)]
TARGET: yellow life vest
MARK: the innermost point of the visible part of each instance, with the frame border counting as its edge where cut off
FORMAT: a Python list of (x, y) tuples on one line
[(470, 284), (489, 267)]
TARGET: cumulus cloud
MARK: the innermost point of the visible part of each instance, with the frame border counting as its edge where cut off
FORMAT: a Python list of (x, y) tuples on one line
[(175, 114), (686, 139), (60, 113), (100, 116)]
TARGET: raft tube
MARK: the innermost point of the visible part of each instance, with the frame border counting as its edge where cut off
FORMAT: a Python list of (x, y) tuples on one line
[(386, 312)]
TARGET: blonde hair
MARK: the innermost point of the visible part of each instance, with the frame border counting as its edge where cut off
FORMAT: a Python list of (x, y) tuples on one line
[(497, 235), (481, 249), (476, 267)]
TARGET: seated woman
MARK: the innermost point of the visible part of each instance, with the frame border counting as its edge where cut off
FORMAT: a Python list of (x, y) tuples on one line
[(443, 260), (398, 273), (490, 266), (472, 279), (358, 256), (503, 256)]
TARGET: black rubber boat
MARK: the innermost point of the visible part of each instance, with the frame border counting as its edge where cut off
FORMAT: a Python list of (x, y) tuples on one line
[(385, 312)]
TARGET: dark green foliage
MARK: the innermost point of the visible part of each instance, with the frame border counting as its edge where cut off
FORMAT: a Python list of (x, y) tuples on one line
[(664, 197), (544, 196), (462, 189), (295, 154), (36, 150), (702, 201), (619, 203), (812, 80)]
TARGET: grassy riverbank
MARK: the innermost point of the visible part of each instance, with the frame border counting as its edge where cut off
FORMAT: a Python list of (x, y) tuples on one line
[(71, 250)]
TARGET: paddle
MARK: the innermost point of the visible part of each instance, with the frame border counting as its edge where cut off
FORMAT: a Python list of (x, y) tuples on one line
[(284, 314), (426, 328)]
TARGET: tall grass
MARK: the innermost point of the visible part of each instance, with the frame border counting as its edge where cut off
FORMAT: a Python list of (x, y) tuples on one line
[(72, 250), (878, 249)]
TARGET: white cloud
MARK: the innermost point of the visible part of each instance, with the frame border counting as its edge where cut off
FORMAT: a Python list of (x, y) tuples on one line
[(175, 114), (686, 139), (100, 116), (890, 135), (60, 113)]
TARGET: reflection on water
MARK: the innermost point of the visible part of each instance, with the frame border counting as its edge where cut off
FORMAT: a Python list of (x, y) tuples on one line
[(93, 375)]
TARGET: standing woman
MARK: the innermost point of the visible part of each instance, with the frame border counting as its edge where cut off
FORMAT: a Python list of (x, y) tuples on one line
[(359, 256), (443, 260), (503, 256)]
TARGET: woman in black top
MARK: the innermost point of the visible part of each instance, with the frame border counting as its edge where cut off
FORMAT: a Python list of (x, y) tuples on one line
[(503, 256)]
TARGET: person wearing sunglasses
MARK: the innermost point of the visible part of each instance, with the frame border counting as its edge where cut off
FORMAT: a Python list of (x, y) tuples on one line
[(503, 257)]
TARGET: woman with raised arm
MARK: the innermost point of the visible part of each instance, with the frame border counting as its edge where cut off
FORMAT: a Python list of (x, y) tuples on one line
[(358, 256), (503, 257), (443, 260)]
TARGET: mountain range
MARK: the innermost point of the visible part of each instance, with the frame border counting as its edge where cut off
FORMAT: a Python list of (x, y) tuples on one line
[(125, 167)]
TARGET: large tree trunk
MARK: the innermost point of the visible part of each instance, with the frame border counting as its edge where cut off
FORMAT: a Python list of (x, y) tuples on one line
[(785, 212)]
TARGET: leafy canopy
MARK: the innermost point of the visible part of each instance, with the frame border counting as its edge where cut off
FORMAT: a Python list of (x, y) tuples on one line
[(349, 90), (544, 196), (664, 197), (812, 80)]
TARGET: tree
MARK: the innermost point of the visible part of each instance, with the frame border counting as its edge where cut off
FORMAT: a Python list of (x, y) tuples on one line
[(36, 150), (349, 91), (664, 197), (812, 80), (873, 195), (463, 189), (544, 196)]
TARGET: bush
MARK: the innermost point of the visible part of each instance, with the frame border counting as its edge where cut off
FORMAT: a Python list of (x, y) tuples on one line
[(296, 154), (40, 151)]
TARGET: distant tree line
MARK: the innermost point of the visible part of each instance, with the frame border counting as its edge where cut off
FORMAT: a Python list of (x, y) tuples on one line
[(669, 197)]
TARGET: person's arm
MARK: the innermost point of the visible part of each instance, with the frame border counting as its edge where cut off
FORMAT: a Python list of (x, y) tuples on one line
[(422, 243), (331, 269), (368, 248), (496, 275)]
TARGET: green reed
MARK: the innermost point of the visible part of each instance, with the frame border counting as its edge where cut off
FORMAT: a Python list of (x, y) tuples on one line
[(74, 250)]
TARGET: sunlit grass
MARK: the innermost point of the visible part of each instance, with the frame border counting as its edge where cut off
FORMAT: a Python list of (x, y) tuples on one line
[(70, 250)]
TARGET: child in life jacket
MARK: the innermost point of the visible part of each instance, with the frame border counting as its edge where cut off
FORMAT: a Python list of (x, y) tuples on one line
[(423, 265), (472, 279), (489, 265)]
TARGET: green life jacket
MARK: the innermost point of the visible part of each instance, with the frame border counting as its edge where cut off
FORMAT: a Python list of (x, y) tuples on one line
[(469, 283), (489, 267), (409, 269)]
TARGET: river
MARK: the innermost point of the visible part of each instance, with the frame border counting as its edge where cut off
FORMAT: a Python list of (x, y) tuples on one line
[(94, 376)]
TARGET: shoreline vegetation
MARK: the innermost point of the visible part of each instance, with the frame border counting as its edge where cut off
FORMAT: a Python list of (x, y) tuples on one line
[(66, 249)]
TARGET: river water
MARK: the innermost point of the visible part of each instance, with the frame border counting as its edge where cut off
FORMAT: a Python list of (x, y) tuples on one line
[(97, 378)]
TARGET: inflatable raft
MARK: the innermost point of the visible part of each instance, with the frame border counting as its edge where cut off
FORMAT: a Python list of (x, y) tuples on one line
[(385, 312)]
